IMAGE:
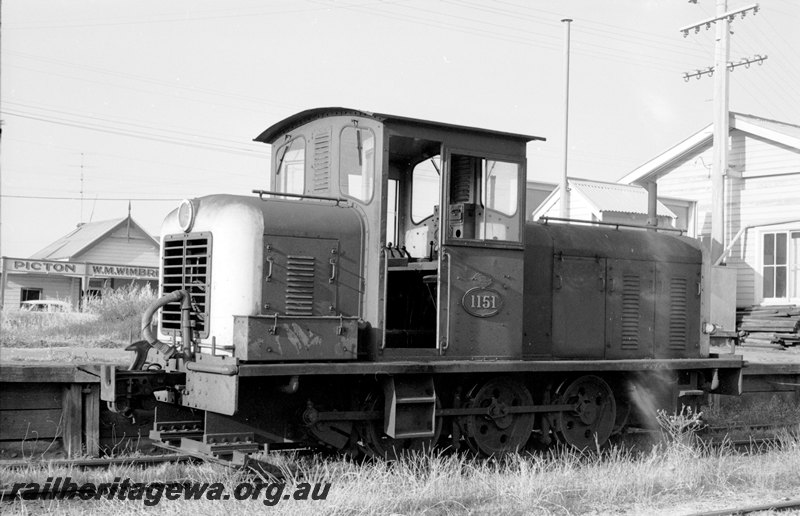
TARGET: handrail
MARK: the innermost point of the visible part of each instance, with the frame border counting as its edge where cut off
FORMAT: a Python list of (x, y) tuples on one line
[(616, 224), (742, 231), (262, 193)]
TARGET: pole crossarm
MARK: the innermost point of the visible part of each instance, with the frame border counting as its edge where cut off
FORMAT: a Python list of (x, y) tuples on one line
[(745, 61), (730, 15)]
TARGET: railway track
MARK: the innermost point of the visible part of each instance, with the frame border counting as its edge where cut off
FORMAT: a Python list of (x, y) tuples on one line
[(786, 505), (748, 434), (101, 462)]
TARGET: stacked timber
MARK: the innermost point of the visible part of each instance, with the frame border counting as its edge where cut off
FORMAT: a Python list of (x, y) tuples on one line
[(769, 326)]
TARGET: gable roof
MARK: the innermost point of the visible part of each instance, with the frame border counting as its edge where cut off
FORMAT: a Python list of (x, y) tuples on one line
[(781, 132), (83, 237), (616, 197), (607, 197), (773, 130)]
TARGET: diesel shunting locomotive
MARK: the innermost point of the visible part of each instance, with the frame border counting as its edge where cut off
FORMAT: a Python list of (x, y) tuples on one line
[(386, 294)]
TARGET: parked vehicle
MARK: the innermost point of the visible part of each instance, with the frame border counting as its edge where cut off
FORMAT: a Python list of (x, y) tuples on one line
[(46, 305)]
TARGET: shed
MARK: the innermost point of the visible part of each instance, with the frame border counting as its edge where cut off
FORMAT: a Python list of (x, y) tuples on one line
[(598, 201)]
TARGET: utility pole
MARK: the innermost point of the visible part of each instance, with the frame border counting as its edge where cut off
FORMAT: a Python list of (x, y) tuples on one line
[(721, 130), (81, 221), (564, 186), (720, 71)]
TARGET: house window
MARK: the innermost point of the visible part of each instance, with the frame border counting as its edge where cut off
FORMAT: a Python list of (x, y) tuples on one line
[(96, 286), (781, 265), (30, 294)]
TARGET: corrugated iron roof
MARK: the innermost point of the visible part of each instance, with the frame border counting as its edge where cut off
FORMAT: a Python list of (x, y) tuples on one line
[(617, 197), (79, 239)]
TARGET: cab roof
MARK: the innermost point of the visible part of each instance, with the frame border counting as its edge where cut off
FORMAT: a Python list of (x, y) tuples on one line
[(303, 117)]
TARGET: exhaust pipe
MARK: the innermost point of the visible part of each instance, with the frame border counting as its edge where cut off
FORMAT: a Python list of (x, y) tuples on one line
[(186, 329)]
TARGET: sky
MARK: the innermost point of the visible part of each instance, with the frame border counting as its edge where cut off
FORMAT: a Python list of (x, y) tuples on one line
[(149, 102)]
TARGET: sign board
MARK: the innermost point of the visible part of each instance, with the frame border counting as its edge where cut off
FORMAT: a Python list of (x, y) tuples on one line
[(122, 271), (482, 302), (43, 267), (92, 270)]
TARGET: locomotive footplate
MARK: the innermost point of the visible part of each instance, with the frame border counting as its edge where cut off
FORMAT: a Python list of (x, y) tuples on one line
[(726, 370)]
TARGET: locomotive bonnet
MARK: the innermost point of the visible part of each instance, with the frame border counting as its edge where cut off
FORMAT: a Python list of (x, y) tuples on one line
[(386, 293)]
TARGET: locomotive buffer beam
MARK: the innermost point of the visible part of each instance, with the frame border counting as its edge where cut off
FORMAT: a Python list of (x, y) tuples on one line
[(122, 389)]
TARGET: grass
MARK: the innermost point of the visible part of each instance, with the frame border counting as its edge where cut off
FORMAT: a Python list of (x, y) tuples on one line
[(110, 321), (672, 478), (754, 409)]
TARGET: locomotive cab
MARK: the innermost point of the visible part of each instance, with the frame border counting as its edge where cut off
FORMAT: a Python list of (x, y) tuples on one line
[(436, 280)]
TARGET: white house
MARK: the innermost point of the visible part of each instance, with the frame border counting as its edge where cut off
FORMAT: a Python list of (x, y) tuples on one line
[(762, 201), (597, 201), (535, 193), (108, 253)]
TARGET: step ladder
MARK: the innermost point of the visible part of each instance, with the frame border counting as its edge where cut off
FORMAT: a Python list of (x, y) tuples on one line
[(409, 407)]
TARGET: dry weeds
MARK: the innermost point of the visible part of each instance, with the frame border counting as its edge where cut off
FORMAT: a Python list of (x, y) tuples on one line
[(672, 478)]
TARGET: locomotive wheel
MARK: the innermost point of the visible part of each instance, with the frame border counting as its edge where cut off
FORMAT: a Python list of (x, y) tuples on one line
[(592, 420), (499, 431), (379, 444)]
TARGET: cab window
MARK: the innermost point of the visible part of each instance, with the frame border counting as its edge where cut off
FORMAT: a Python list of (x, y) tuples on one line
[(483, 199), (357, 163), (425, 188), (500, 191), (290, 166)]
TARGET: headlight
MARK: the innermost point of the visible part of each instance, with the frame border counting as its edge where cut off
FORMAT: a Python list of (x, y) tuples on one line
[(186, 215)]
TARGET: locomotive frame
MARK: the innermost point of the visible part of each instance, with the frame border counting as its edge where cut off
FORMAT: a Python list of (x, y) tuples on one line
[(346, 309)]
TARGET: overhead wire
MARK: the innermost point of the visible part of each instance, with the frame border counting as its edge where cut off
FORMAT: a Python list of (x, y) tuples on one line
[(62, 198), (260, 100), (131, 133), (135, 123), (171, 165), (580, 48), (755, 90), (183, 18), (619, 33)]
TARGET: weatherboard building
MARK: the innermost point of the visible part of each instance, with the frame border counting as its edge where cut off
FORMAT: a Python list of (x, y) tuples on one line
[(96, 255)]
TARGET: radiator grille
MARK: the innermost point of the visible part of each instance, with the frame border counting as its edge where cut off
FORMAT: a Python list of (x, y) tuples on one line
[(630, 311), (678, 313), (300, 271), (186, 265)]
